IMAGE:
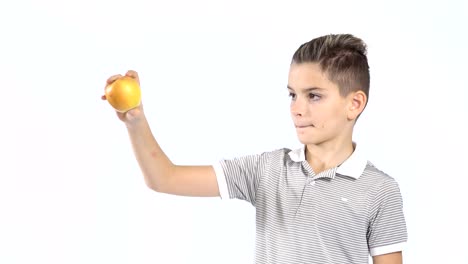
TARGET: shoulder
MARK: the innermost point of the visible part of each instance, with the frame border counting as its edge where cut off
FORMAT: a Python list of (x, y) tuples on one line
[(283, 155), (373, 173), (268, 158), (276, 154), (380, 181), (281, 152)]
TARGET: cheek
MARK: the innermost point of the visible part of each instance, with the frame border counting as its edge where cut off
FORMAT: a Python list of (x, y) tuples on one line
[(331, 119)]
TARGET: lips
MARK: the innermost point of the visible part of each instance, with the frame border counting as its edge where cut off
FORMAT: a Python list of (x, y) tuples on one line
[(303, 126)]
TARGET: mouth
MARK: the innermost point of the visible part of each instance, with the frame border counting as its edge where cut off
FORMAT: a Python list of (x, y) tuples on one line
[(304, 126)]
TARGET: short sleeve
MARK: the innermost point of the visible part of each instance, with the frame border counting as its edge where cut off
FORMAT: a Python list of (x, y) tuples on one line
[(387, 231), (239, 178)]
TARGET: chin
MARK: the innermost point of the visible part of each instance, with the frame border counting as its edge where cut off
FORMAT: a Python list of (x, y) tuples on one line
[(309, 140)]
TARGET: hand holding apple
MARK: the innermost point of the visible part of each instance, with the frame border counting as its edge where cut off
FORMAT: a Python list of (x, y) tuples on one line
[(124, 94)]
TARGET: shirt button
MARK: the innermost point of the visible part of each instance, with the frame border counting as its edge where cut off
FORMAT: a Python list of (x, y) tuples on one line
[(312, 183)]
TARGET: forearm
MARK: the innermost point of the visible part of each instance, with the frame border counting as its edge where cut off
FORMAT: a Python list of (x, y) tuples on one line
[(154, 164)]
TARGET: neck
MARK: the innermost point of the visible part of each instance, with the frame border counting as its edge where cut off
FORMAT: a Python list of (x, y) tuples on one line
[(329, 154)]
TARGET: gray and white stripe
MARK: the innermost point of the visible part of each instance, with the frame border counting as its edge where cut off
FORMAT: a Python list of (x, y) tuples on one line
[(340, 215)]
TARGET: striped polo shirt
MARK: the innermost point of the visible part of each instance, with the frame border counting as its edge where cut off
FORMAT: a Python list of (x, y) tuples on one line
[(340, 215)]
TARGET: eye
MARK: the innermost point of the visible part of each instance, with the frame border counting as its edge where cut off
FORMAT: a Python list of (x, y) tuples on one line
[(314, 97), (292, 95)]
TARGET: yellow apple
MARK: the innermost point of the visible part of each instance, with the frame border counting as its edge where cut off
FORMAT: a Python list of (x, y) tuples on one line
[(123, 94)]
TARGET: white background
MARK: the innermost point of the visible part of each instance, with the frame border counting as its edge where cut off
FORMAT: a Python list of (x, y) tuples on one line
[(214, 76)]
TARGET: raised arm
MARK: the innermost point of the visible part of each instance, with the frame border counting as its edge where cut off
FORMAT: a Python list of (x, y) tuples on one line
[(159, 172)]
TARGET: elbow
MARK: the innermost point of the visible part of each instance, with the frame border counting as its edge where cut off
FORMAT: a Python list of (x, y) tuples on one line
[(155, 185), (152, 185), (159, 181)]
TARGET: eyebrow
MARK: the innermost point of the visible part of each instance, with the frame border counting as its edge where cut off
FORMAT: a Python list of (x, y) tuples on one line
[(307, 89)]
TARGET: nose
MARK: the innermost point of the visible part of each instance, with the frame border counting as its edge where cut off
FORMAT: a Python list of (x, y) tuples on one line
[(298, 107)]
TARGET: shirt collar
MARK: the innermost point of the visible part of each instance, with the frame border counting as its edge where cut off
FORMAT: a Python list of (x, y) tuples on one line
[(354, 166)]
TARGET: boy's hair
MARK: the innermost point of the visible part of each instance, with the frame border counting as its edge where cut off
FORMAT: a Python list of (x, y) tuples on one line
[(342, 57)]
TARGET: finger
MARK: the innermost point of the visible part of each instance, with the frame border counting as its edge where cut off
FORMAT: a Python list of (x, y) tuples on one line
[(113, 78), (133, 74)]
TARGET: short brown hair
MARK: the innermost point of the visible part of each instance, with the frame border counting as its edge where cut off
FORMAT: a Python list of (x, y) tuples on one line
[(342, 57)]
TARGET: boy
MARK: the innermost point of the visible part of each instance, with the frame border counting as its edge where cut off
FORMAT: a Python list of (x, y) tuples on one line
[(322, 203)]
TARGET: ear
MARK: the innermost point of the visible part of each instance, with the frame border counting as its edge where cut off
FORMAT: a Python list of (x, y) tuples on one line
[(357, 103)]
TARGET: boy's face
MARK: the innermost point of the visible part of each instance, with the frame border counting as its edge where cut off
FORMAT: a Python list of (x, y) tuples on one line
[(318, 111)]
